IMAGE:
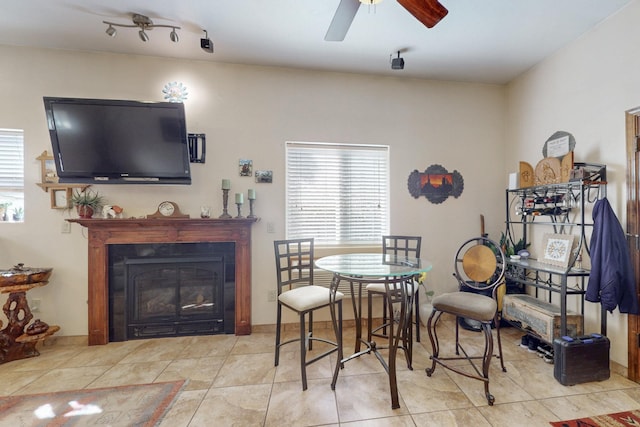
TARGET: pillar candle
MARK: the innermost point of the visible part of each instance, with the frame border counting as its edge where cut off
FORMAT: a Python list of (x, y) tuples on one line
[(226, 184), (252, 194), (239, 198)]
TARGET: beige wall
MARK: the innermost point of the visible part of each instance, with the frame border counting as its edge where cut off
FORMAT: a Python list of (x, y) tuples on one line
[(583, 89), (249, 112)]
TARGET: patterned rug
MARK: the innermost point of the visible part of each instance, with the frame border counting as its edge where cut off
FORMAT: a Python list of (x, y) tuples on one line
[(132, 405), (620, 419)]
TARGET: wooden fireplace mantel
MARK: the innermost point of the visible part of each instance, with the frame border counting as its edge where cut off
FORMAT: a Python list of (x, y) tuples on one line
[(104, 232)]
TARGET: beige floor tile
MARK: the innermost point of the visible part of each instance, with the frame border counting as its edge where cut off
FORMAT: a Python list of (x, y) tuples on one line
[(200, 373), (157, 349), (363, 397), (13, 382), (289, 405), (399, 421), (208, 346), (99, 356), (427, 394), (289, 368), (233, 406), (581, 405), (246, 369), (257, 343), (452, 418), (521, 414), (130, 373), (185, 406), (60, 379)]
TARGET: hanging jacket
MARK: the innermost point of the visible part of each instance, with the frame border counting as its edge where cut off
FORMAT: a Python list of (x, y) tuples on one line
[(612, 281)]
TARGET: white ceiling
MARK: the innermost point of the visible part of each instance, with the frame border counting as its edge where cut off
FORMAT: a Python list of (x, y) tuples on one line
[(489, 41)]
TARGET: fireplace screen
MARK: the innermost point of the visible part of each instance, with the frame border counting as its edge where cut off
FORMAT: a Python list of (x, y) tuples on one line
[(174, 296)]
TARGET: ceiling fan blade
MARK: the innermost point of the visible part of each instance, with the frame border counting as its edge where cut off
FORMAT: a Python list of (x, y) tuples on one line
[(342, 19), (429, 12)]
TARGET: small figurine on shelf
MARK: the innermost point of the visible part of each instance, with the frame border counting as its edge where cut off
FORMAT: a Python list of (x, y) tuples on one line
[(37, 327)]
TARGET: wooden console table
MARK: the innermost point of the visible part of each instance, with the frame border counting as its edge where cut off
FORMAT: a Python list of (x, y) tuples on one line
[(104, 232)]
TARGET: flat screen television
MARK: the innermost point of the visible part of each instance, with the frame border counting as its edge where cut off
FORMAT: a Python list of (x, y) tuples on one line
[(100, 141)]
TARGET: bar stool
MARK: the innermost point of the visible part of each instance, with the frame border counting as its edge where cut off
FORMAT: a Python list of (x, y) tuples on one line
[(479, 264), (407, 246), (296, 291)]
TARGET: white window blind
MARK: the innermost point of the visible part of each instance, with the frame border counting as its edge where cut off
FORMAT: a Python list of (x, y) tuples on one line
[(337, 193), (11, 160)]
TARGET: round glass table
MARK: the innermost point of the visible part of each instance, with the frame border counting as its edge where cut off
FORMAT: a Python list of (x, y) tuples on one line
[(398, 274)]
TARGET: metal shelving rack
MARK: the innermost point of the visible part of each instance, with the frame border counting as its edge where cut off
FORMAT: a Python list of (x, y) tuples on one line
[(562, 208)]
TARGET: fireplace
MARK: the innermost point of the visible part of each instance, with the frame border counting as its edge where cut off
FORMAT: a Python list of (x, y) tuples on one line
[(104, 233), (172, 289)]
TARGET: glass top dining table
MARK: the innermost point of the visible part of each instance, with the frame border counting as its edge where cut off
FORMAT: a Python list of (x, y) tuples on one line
[(373, 265), (397, 273)]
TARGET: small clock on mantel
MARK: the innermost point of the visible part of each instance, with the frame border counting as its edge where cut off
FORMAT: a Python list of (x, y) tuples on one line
[(168, 209)]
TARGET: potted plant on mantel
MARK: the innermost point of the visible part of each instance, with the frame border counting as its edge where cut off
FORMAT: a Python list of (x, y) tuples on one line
[(86, 202)]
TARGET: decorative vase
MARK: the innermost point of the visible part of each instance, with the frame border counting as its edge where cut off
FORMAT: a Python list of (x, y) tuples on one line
[(85, 211)]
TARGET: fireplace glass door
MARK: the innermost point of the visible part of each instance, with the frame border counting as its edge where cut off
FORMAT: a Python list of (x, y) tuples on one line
[(174, 296)]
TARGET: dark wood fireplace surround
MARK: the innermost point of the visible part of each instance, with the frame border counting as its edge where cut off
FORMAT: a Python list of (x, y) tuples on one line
[(103, 232)]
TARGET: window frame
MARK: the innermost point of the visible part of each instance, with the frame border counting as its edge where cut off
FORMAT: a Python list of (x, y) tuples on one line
[(336, 162)]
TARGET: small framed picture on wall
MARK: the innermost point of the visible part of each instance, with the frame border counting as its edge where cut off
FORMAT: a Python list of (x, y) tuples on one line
[(60, 198)]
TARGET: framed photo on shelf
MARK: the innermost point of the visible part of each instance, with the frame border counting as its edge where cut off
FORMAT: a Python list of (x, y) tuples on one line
[(60, 198), (557, 249), (48, 173)]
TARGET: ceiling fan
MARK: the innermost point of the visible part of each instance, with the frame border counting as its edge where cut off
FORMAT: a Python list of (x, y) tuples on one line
[(429, 12)]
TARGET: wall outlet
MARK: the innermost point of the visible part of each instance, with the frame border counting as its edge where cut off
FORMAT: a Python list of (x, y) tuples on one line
[(271, 227), (66, 227), (271, 296), (35, 305)]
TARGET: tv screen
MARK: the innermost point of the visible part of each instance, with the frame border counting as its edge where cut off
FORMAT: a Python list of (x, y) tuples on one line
[(118, 142)]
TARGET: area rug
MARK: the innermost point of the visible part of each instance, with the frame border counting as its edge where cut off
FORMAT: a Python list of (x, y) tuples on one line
[(620, 419), (131, 405)]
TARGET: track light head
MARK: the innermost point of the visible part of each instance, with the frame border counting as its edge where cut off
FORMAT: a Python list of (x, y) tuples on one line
[(111, 32), (397, 63), (174, 36), (205, 43), (143, 36)]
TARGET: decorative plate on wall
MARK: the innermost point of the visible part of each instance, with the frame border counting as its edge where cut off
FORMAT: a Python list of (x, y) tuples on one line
[(435, 183), (175, 92)]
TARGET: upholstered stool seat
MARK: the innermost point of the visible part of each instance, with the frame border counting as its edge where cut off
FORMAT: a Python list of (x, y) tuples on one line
[(466, 304)]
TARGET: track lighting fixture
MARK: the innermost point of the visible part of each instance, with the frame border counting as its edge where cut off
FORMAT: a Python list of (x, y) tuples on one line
[(143, 36), (174, 36), (111, 32), (144, 23), (205, 43), (397, 63)]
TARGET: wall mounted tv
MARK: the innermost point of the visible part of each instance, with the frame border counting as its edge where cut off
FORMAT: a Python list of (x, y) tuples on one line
[(99, 141)]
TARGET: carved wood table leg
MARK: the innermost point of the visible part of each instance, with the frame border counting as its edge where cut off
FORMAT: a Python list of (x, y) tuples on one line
[(19, 315), (17, 341)]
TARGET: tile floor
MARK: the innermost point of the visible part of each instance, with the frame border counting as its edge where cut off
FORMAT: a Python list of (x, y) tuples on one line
[(232, 381)]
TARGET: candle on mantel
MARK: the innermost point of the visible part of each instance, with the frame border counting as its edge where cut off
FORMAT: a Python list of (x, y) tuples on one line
[(226, 184), (252, 194), (239, 198)]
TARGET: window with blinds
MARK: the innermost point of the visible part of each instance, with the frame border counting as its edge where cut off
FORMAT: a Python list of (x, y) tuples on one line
[(11, 174), (337, 193)]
